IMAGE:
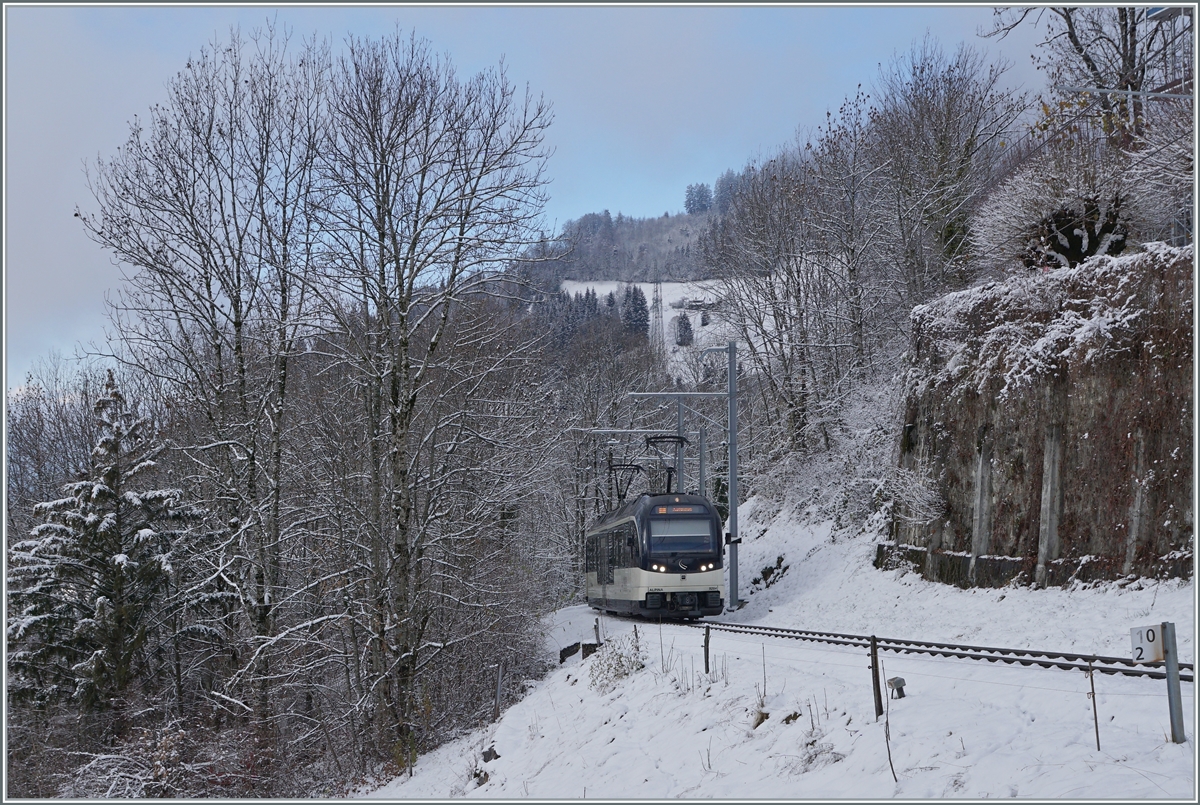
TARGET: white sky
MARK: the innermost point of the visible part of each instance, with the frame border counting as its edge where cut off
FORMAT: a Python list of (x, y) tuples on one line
[(647, 100)]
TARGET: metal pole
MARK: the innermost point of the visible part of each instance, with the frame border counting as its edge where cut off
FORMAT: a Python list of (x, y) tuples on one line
[(680, 484), (733, 490), (1095, 713), (703, 450), (1174, 699), (612, 481), (877, 691)]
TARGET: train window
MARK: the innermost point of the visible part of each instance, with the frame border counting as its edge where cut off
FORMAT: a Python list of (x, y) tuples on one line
[(624, 551), (681, 535)]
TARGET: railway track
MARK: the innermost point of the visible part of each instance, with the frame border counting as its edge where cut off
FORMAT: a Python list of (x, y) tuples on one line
[(1027, 657)]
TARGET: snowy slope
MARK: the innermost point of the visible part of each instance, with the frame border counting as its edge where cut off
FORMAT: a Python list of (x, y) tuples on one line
[(966, 729)]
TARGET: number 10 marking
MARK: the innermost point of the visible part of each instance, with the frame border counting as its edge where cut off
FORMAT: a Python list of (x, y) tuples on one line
[(1147, 644)]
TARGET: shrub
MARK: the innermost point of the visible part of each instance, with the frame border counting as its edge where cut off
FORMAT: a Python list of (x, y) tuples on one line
[(616, 659)]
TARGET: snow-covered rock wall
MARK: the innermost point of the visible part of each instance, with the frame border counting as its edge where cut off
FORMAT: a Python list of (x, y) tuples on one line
[(1048, 419)]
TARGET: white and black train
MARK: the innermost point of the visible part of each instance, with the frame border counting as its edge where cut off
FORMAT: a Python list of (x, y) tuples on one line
[(660, 556)]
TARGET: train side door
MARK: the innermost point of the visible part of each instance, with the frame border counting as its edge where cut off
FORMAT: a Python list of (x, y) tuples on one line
[(602, 541), (627, 551)]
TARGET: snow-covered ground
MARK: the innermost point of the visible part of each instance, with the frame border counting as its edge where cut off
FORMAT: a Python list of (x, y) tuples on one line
[(965, 729)]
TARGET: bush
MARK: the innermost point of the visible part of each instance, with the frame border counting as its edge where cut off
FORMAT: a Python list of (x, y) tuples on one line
[(616, 659)]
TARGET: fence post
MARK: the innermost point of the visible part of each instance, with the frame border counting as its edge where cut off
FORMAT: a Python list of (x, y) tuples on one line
[(499, 688), (706, 628), (875, 678)]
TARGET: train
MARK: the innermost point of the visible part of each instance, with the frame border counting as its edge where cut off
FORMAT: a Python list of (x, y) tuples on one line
[(658, 556)]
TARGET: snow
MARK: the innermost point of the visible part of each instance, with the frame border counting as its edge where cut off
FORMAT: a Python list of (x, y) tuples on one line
[(965, 729), (1026, 326)]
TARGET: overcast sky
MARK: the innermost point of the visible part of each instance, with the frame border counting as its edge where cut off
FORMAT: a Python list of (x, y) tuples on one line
[(646, 101)]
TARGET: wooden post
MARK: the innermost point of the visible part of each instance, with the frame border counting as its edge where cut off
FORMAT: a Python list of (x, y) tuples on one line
[(875, 678), (499, 687), (1174, 700), (706, 629), (596, 626)]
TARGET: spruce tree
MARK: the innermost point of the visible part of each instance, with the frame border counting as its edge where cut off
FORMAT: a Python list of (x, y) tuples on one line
[(635, 312), (698, 198), (683, 330), (85, 588)]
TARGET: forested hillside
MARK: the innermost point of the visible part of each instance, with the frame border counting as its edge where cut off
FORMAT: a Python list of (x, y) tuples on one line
[(598, 246), (300, 522)]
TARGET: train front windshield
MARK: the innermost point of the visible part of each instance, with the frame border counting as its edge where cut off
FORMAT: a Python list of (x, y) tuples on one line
[(681, 535)]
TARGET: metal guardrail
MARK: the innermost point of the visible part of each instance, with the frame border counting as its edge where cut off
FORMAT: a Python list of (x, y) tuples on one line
[(1027, 657)]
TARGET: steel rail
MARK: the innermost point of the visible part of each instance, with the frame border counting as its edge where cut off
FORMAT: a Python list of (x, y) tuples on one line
[(1026, 657)]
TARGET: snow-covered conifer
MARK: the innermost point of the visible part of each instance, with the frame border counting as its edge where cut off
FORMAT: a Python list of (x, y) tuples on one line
[(85, 587), (683, 330), (635, 312), (698, 198)]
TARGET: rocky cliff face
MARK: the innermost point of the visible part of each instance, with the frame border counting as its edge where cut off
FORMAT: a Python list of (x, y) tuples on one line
[(1048, 423)]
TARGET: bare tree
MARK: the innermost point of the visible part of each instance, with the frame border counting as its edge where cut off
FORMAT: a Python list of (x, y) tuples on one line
[(1162, 172), (50, 434), (1117, 48), (431, 181), (210, 209), (941, 124), (847, 224), (775, 281)]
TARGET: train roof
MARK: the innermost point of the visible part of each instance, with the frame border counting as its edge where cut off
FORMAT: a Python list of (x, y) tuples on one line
[(647, 500)]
